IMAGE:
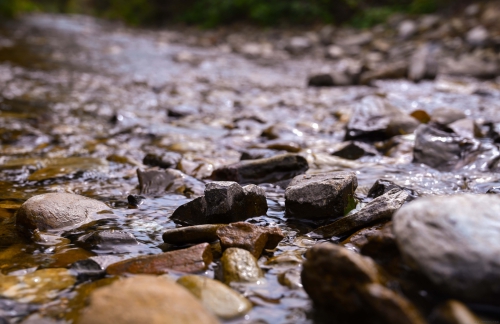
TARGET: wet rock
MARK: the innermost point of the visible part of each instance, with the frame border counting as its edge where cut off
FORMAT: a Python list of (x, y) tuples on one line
[(382, 186), (452, 241), (380, 208), (319, 196), (290, 278), (453, 312), (135, 200), (273, 169), (447, 115), (355, 40), (354, 150), (56, 211), (85, 167), (87, 269), (108, 240), (239, 265), (254, 154), (193, 259), (216, 296), (158, 182), (192, 234), (494, 190), (331, 276), (164, 161), (477, 36), (144, 299), (397, 70), (390, 306), (249, 237), (11, 309), (182, 111), (472, 66), (375, 119), (442, 149), (345, 282), (321, 80), (224, 202), (298, 45), (40, 286), (466, 128), (407, 29), (423, 63)]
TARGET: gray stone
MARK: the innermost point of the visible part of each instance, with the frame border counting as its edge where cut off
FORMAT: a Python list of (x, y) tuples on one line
[(477, 36), (453, 241), (108, 239), (407, 29), (379, 209), (447, 115), (158, 182), (273, 169), (319, 196), (424, 63), (53, 211), (164, 161), (441, 149), (382, 186), (192, 234), (224, 202)]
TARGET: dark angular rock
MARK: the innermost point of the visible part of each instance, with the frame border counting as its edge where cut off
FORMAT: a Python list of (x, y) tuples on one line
[(273, 169), (441, 149), (192, 234), (224, 202), (380, 208), (157, 182), (87, 269), (165, 161), (320, 196), (249, 237), (374, 119), (321, 80), (182, 111), (355, 150), (382, 186), (135, 200), (193, 259)]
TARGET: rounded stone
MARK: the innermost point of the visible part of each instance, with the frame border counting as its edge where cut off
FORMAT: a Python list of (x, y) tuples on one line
[(453, 241), (56, 210), (239, 265), (216, 296), (145, 299)]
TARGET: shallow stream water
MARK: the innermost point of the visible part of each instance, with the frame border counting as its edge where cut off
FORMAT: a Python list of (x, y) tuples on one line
[(83, 101)]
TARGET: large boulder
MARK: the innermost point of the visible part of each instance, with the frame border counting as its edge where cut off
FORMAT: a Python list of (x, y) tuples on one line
[(454, 242), (57, 211), (273, 169), (224, 202), (145, 299), (318, 196)]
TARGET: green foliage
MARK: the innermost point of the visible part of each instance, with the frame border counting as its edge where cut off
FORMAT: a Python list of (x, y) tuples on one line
[(11, 8)]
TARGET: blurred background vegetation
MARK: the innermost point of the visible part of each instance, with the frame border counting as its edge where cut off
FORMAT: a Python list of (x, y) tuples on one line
[(211, 13)]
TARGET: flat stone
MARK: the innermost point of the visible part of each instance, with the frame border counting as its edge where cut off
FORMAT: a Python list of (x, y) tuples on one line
[(452, 240), (223, 202), (158, 182), (379, 209), (355, 150), (218, 298), (193, 259), (257, 153), (108, 239), (56, 211), (192, 234), (249, 237), (442, 150), (145, 299), (382, 186), (164, 161), (453, 312), (273, 169), (447, 115), (239, 265), (40, 286), (319, 196)]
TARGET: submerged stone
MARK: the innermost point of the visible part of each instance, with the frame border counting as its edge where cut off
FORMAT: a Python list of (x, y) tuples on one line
[(216, 296), (318, 196), (158, 182), (273, 169), (57, 210), (144, 299)]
